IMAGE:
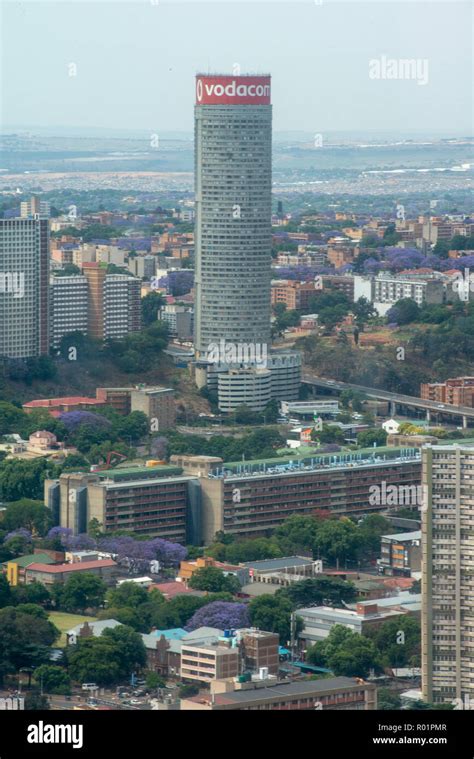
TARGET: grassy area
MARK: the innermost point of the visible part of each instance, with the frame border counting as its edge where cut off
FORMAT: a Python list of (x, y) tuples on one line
[(65, 622)]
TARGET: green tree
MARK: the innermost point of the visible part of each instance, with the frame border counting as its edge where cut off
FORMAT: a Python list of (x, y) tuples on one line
[(151, 304), (94, 528), (127, 594), (214, 580), (404, 311), (367, 438), (186, 691), (296, 535), (35, 701), (370, 532), (82, 591), (319, 591), (388, 700), (53, 679), (345, 653), (33, 610), (5, 592), (273, 613), (33, 593), (24, 640), (27, 513), (153, 681), (130, 643), (20, 479), (330, 433), (337, 540), (398, 642), (95, 660), (12, 418)]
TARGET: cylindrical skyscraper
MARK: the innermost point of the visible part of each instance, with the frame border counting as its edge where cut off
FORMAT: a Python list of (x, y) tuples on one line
[(233, 147)]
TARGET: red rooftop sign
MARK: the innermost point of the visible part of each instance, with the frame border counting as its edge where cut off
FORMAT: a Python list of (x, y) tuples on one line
[(233, 90)]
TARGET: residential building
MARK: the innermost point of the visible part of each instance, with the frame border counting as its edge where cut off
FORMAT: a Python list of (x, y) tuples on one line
[(42, 440), (335, 282), (122, 306), (68, 307), (34, 206), (179, 320), (24, 287), (143, 267), (384, 290), (458, 391), (114, 305), (156, 402), (400, 554), (447, 531), (295, 295)]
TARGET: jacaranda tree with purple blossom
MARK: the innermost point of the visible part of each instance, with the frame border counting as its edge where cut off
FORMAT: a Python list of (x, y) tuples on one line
[(224, 615)]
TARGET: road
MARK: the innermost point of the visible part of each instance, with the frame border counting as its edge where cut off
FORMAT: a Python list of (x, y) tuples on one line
[(403, 400)]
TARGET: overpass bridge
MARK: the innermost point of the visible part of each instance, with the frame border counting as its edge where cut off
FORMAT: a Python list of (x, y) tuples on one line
[(394, 399)]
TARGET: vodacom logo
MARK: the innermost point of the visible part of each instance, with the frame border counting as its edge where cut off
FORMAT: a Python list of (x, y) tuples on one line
[(217, 90), (199, 90)]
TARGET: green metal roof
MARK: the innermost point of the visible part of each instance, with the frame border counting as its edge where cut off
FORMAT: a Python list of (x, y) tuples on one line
[(32, 558), (388, 451), (139, 472)]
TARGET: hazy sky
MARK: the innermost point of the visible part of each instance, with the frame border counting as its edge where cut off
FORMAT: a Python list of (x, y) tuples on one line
[(136, 62)]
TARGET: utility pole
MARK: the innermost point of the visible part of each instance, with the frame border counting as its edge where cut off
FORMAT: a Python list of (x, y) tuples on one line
[(293, 636)]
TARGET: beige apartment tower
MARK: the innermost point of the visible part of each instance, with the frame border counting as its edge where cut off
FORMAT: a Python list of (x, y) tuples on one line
[(448, 574)]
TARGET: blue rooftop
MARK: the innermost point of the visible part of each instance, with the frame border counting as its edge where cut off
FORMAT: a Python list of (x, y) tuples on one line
[(176, 633)]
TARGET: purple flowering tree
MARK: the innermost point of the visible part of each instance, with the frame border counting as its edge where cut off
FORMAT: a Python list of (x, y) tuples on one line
[(22, 532), (73, 420), (137, 554), (71, 542), (221, 614)]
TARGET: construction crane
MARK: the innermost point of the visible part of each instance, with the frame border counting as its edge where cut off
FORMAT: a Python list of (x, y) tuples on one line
[(109, 462)]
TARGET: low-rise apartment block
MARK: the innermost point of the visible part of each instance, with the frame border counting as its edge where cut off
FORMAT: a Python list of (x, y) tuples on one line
[(458, 391)]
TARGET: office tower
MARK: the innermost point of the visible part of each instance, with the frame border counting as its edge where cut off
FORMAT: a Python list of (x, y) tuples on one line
[(448, 574), (34, 206), (24, 287), (233, 142), (68, 307)]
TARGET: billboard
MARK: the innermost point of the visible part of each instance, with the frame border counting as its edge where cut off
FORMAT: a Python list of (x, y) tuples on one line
[(232, 90)]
